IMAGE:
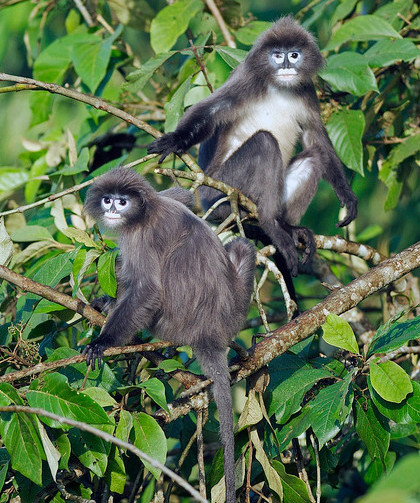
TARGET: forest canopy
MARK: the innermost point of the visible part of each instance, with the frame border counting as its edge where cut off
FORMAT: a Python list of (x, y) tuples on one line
[(326, 406)]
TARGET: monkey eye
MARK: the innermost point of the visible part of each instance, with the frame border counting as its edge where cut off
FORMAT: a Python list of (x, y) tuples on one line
[(121, 203), (106, 202), (278, 57), (293, 56)]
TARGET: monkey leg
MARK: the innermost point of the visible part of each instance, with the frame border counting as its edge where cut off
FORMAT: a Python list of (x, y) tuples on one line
[(257, 170), (301, 182)]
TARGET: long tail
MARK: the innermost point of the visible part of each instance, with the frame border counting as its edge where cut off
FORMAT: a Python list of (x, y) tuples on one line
[(242, 254), (214, 364)]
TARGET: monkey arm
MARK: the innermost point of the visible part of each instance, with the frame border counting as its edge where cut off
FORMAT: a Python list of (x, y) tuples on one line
[(315, 138), (198, 123), (134, 310)]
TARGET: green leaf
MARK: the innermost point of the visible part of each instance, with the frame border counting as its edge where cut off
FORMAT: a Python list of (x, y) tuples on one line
[(394, 335), (402, 485), (345, 129), (397, 412), (156, 391), (339, 333), (170, 365), (290, 378), (31, 233), (294, 489), (54, 270), (115, 475), (388, 52), (91, 55), (80, 165), (343, 9), (409, 147), (6, 245), (372, 429), (273, 478), (125, 424), (232, 56), (80, 237), (330, 409), (11, 179), (251, 412), (171, 22), (59, 398), (3, 473), (249, 33), (390, 381), (21, 439), (106, 272), (149, 438), (370, 232), (295, 427), (394, 12), (138, 79), (174, 108), (349, 72), (91, 450), (362, 28)]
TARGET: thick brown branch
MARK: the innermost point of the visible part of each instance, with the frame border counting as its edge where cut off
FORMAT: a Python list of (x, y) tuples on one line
[(29, 285)]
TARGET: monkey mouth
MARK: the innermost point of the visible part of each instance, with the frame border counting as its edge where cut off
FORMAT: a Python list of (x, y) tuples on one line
[(112, 217), (286, 74)]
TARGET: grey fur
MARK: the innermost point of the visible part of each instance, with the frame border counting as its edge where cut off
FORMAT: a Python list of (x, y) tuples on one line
[(248, 129), (177, 280)]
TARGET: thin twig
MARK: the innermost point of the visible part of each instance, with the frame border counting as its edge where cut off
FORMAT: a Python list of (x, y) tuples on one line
[(201, 65), (303, 474), (108, 438), (84, 12), (97, 103), (318, 467), (200, 454), (221, 22), (291, 306), (45, 366)]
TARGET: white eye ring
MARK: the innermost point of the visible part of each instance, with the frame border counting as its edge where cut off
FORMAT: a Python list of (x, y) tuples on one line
[(278, 57), (121, 204), (293, 56), (106, 202)]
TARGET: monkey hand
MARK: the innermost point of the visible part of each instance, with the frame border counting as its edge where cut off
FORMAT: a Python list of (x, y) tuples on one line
[(303, 236), (351, 205), (103, 304), (94, 352), (165, 145)]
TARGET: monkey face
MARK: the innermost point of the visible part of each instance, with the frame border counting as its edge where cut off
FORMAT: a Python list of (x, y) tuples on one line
[(285, 64), (115, 208)]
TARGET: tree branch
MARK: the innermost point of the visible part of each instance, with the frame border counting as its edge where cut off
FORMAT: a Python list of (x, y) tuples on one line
[(93, 101), (29, 285), (221, 22)]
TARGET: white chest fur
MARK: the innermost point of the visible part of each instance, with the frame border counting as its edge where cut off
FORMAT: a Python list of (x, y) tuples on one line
[(279, 113)]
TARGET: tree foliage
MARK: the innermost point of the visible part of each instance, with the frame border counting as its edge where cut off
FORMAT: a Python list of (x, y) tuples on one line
[(336, 418)]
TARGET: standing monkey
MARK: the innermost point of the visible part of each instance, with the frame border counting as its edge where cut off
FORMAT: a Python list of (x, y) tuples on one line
[(248, 130), (176, 280)]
